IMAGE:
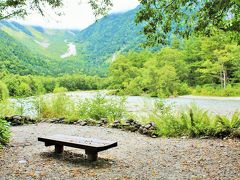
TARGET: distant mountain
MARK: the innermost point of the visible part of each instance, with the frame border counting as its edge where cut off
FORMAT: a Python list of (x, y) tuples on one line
[(89, 51), (111, 34), (15, 58), (48, 42)]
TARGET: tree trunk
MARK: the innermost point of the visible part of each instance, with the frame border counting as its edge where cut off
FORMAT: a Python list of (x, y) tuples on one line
[(224, 78)]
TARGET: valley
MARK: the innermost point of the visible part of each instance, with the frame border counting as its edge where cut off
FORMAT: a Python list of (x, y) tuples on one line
[(157, 80)]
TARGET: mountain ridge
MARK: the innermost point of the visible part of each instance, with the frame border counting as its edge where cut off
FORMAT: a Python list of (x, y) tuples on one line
[(95, 46)]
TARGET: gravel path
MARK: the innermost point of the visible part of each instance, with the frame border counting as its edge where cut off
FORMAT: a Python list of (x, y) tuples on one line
[(136, 157)]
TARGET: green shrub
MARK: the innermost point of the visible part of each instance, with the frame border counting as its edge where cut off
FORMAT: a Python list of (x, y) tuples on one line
[(193, 122), (23, 90), (8, 108), (60, 90), (101, 107), (59, 105), (210, 90), (228, 126), (167, 124), (201, 123), (4, 93), (4, 132)]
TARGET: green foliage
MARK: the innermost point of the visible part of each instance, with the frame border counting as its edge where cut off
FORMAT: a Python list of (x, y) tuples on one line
[(209, 90), (101, 107), (193, 122), (157, 74), (228, 126), (23, 90), (7, 108), (23, 86), (4, 132), (4, 93), (60, 90), (12, 8), (200, 121), (21, 54), (183, 17), (197, 61), (58, 106), (111, 35)]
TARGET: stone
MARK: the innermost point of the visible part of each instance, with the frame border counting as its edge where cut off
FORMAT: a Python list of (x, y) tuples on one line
[(184, 137), (137, 125), (83, 123), (116, 122), (116, 125), (148, 126), (16, 117), (144, 131), (104, 120), (53, 120), (152, 124), (140, 130), (22, 161), (129, 121)]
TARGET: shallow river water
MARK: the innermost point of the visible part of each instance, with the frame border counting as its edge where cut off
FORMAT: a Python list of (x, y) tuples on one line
[(141, 105)]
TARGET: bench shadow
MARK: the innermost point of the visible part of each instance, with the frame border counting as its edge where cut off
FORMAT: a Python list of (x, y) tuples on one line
[(79, 159)]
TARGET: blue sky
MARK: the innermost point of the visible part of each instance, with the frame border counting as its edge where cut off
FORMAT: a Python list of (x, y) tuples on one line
[(77, 14)]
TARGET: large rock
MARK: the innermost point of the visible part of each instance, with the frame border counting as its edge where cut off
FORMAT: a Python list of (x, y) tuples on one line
[(17, 120)]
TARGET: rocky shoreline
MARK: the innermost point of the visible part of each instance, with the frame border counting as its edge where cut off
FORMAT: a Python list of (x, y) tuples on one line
[(131, 125)]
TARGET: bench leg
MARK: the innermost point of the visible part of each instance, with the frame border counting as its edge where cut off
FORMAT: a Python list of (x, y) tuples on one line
[(91, 156), (58, 149)]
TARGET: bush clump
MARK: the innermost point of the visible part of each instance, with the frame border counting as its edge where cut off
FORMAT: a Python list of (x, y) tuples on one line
[(193, 122), (4, 132), (60, 105), (4, 93), (101, 107)]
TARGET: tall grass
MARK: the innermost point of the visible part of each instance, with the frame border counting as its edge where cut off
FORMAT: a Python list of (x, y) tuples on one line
[(7, 108), (101, 107), (60, 105), (193, 122)]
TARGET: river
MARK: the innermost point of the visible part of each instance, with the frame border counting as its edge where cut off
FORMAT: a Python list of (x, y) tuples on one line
[(140, 105)]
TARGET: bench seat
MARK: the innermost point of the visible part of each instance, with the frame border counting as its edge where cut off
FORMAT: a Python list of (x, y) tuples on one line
[(92, 146)]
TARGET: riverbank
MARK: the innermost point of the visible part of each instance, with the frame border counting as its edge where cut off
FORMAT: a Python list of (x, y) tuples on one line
[(142, 105), (136, 157), (220, 98)]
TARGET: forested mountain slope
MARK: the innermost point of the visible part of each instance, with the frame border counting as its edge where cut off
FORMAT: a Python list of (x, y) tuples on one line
[(15, 58), (111, 34), (70, 51)]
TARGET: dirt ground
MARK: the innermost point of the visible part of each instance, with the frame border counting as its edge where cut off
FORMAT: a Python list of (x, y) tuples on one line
[(136, 157)]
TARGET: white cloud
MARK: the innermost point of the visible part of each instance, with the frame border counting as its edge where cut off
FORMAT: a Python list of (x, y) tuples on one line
[(76, 15)]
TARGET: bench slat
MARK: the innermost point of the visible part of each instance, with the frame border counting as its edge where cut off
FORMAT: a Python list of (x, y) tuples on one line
[(89, 144)]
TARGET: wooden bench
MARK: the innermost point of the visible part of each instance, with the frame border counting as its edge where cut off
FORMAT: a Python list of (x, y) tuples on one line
[(91, 146)]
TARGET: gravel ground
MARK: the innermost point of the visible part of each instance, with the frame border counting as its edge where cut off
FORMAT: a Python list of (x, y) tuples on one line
[(136, 157)]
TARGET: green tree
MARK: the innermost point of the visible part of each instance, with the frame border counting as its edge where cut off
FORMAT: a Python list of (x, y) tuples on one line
[(183, 17), (11, 8)]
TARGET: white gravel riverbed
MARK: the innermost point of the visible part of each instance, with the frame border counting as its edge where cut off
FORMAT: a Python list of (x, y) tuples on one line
[(136, 157)]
